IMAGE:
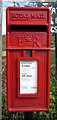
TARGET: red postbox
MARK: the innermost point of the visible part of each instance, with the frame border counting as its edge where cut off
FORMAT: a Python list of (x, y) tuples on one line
[(28, 58)]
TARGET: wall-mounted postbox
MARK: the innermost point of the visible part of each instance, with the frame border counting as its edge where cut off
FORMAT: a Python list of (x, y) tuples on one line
[(28, 58)]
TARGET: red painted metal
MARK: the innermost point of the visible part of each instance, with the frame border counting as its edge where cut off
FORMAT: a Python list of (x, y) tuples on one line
[(28, 28)]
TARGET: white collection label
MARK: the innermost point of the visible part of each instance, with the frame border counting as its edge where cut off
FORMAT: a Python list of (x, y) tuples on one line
[(28, 77)]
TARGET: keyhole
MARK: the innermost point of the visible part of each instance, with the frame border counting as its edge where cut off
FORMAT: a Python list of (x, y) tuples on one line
[(29, 53)]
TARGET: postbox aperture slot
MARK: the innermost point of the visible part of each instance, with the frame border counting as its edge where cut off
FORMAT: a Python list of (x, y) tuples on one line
[(28, 28)]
